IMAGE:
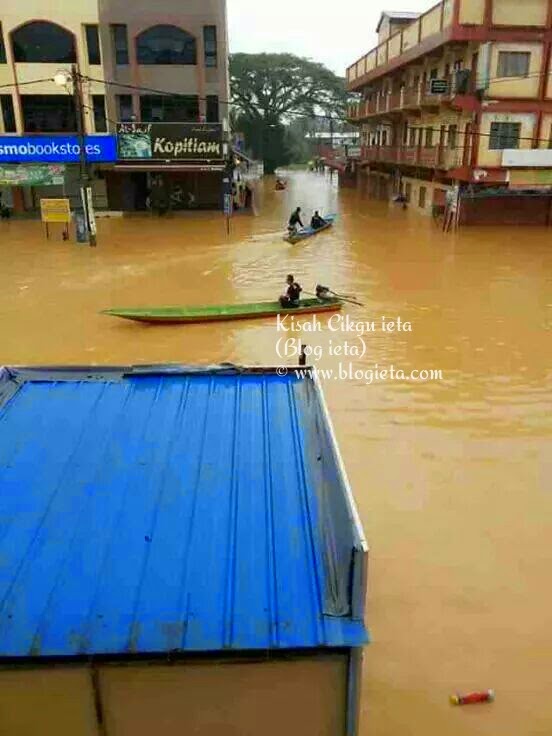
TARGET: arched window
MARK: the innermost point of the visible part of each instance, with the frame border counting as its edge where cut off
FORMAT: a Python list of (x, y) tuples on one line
[(43, 42), (165, 45)]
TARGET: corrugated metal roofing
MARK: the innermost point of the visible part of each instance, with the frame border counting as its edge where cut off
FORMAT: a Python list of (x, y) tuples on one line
[(162, 512)]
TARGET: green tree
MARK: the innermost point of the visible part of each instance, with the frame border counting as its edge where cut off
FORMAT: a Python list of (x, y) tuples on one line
[(271, 90)]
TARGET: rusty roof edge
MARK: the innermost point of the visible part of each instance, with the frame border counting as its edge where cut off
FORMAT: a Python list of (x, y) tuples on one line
[(22, 374)]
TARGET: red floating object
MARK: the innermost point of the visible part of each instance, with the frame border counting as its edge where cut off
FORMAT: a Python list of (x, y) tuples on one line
[(485, 697)]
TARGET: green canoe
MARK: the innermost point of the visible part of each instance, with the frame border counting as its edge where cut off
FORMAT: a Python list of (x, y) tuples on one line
[(187, 315)]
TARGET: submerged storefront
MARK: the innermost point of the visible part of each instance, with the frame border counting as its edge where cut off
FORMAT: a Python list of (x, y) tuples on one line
[(35, 167), (167, 166)]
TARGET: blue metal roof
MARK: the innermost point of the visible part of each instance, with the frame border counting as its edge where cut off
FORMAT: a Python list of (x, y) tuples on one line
[(148, 512)]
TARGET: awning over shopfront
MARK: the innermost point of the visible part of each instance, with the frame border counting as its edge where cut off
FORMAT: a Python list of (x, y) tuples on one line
[(167, 168)]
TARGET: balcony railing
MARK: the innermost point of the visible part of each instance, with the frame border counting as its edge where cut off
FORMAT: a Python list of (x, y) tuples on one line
[(431, 23), (434, 157), (396, 100), (410, 98)]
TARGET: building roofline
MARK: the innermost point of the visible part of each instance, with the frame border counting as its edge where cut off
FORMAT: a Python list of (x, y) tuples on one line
[(396, 15)]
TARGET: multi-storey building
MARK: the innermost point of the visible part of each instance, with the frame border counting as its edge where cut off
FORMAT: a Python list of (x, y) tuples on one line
[(165, 61), (460, 95)]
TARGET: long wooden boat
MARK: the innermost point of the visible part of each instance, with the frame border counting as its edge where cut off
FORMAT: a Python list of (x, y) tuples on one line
[(190, 315), (308, 232)]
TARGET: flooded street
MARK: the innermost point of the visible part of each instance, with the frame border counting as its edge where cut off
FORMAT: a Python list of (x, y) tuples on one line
[(452, 477)]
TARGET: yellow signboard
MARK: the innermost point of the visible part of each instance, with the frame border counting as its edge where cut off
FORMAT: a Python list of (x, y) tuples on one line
[(531, 178), (55, 210)]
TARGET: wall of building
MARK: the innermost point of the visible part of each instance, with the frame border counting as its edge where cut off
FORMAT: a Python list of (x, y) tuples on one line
[(549, 85), (302, 697), (74, 16), (546, 132), (384, 30), (506, 211), (472, 11), (516, 87), (492, 158), (422, 194), (525, 13), (431, 22)]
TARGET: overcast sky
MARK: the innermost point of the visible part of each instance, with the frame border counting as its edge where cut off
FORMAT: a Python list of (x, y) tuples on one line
[(336, 33)]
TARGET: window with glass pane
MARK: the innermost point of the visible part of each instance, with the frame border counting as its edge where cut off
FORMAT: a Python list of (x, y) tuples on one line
[(2, 47), (165, 45), (210, 44), (100, 120), (169, 108), (212, 109), (124, 108), (93, 45), (504, 135), (514, 63), (120, 43), (452, 136), (43, 43), (8, 114), (48, 114), (413, 132), (429, 137)]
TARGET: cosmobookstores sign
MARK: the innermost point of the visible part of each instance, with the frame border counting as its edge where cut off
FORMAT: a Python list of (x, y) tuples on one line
[(170, 141), (56, 149)]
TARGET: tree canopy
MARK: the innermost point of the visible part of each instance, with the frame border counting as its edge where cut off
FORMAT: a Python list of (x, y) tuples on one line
[(270, 90)]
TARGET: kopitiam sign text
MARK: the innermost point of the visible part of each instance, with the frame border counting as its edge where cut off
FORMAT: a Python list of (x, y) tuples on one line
[(56, 149), (170, 141)]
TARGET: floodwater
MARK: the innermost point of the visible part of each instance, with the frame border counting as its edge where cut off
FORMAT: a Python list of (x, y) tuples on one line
[(452, 477)]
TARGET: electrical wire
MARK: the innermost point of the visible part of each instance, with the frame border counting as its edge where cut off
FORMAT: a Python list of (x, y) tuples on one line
[(22, 84), (294, 113)]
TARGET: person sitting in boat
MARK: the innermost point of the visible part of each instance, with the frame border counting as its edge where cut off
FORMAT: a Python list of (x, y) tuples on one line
[(280, 184), (323, 293), (292, 294), (295, 221), (317, 222)]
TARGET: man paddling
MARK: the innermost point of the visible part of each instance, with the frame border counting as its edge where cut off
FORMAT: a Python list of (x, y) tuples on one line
[(294, 221), (290, 297)]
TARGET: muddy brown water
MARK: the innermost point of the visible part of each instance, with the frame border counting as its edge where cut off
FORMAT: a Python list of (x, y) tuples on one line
[(452, 477)]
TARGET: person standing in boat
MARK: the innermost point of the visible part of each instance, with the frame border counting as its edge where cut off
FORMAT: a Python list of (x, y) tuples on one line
[(292, 294), (294, 221), (317, 222)]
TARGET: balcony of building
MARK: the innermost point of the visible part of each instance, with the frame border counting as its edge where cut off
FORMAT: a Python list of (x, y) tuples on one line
[(451, 23), (438, 157), (402, 45), (426, 95)]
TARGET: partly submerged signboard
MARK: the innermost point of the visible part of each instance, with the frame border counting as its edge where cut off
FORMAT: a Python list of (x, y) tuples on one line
[(31, 175), (170, 141)]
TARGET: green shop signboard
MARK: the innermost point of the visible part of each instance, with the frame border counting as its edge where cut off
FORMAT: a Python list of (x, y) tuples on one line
[(170, 141), (31, 175)]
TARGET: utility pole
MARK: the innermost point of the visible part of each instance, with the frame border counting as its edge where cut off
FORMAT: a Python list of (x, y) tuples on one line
[(84, 170)]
